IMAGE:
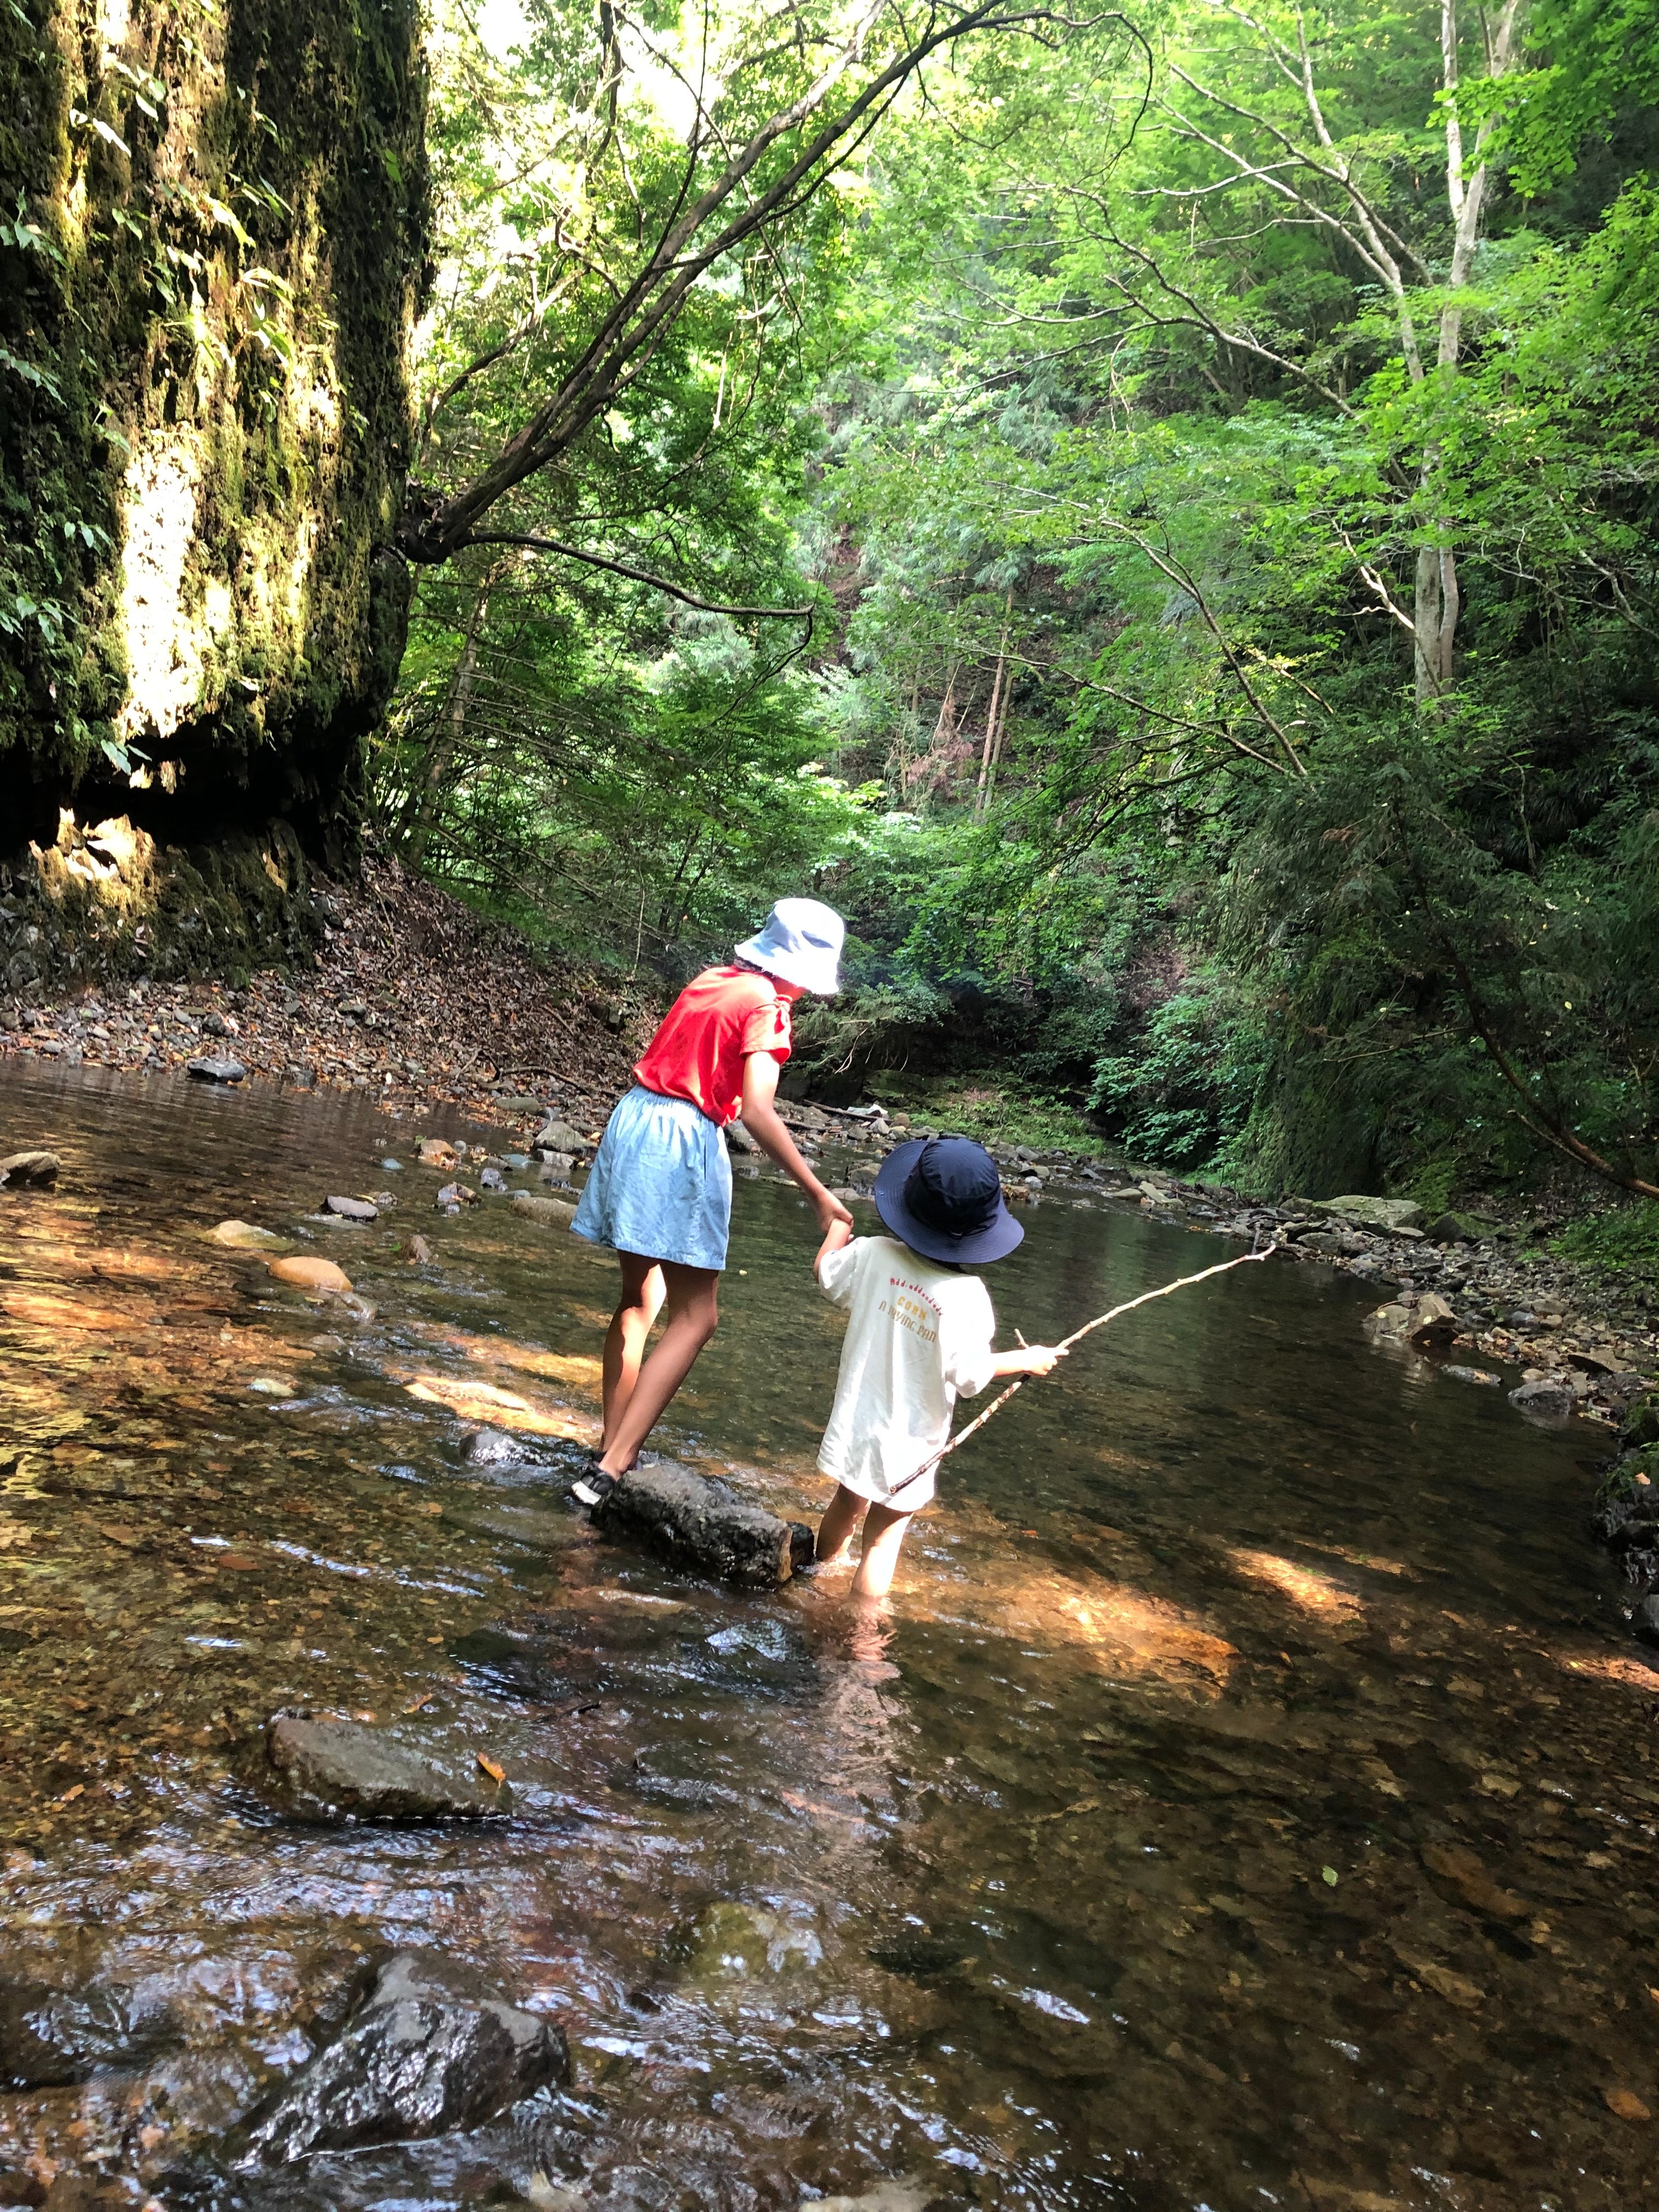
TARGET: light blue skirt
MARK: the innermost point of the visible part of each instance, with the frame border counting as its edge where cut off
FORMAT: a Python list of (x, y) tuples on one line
[(660, 1184)]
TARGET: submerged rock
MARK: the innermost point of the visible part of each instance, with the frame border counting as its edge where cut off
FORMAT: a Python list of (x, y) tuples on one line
[(34, 1170), (311, 1274), (428, 2051), (1427, 1323), (244, 1236), (436, 1152), (1471, 1374), (738, 1139), (340, 1771), (550, 1212), (454, 1195), (730, 1940), (206, 1068), (701, 1524), (50, 2037)]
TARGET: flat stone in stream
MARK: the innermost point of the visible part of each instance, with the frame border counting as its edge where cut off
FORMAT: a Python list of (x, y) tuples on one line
[(704, 1526), (340, 1771), (428, 2051)]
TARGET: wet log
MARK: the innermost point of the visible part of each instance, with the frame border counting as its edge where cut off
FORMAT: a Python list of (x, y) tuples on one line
[(703, 1525)]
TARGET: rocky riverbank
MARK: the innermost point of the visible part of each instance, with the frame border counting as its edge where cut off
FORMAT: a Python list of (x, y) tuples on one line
[(394, 988)]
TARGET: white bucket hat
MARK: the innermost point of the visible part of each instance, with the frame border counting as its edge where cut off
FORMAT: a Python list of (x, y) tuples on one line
[(800, 943)]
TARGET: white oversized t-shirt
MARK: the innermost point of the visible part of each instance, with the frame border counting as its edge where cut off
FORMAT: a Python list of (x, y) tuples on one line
[(917, 1333)]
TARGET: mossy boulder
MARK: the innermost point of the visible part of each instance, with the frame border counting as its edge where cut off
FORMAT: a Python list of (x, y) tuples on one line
[(213, 247)]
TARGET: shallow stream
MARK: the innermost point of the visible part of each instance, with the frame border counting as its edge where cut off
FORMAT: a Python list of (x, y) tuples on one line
[(1248, 1799)]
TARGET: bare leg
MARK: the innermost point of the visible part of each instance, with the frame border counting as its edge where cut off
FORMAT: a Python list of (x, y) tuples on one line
[(846, 1511), (692, 1306), (884, 1535), (642, 1293)]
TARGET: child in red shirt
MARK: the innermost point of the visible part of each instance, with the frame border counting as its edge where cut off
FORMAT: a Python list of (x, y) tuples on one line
[(660, 1190)]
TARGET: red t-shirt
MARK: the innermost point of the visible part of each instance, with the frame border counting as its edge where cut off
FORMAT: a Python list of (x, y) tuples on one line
[(717, 1021)]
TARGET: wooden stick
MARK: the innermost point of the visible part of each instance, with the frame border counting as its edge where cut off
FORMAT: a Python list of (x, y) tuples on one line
[(1182, 1283)]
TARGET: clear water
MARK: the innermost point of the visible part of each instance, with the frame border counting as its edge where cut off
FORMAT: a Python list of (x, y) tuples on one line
[(1248, 1798)]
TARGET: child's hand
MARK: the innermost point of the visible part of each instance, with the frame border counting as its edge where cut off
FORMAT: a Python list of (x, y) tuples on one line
[(832, 1213), (1042, 1358)]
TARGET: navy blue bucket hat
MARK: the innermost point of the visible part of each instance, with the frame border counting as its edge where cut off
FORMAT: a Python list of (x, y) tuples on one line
[(943, 1197)]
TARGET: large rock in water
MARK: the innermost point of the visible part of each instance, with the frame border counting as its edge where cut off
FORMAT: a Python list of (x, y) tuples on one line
[(1427, 1323), (427, 2052), (340, 1771), (703, 1525)]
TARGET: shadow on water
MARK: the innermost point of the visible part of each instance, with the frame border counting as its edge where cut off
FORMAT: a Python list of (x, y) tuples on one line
[(1247, 1801)]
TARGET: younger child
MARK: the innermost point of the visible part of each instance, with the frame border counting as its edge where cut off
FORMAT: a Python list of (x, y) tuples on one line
[(918, 1332)]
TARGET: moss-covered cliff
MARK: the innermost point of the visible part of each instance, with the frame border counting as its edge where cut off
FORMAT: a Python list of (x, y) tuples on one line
[(212, 244)]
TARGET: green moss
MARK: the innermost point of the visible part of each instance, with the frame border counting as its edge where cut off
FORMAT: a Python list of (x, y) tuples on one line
[(217, 308)]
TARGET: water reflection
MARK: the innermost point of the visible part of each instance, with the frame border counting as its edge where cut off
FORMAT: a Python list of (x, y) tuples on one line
[(1247, 1798)]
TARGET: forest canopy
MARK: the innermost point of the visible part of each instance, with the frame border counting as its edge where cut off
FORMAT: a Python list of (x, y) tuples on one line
[(1152, 512)]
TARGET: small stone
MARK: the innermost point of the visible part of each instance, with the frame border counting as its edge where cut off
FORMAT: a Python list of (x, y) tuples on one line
[(391, 1167), (352, 1209), (354, 1009), (207, 1069), (420, 1251), (514, 1101), (1471, 1374), (455, 1195), (31, 1169), (214, 1023), (492, 1179), (1547, 1400), (308, 1274)]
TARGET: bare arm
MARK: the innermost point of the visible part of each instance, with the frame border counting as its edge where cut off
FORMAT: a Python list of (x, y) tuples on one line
[(838, 1234), (765, 1125), (1029, 1359)]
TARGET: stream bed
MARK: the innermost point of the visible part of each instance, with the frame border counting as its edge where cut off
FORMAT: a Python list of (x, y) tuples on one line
[(1247, 1799)]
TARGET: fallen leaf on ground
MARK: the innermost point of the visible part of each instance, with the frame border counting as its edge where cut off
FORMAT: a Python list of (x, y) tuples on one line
[(1473, 1885), (1454, 1988), (237, 1559)]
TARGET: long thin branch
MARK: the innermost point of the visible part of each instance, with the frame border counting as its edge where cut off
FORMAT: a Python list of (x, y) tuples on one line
[(538, 544)]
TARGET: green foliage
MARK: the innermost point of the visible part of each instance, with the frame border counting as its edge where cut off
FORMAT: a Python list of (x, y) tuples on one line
[(1623, 1242), (1185, 1093)]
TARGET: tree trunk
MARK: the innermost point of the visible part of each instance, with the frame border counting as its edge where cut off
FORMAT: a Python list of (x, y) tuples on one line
[(452, 727), (987, 757)]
